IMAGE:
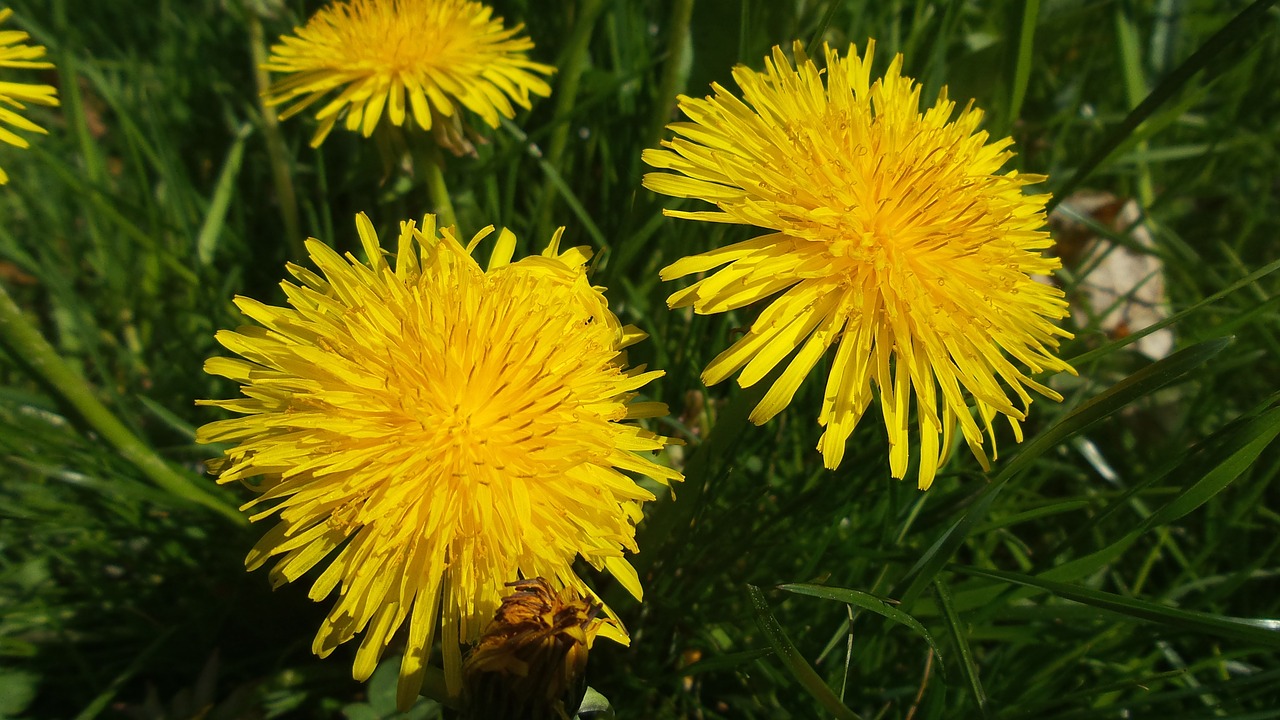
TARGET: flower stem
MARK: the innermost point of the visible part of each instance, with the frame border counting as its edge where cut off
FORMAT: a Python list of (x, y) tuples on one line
[(26, 342), (429, 161), (674, 71), (281, 176)]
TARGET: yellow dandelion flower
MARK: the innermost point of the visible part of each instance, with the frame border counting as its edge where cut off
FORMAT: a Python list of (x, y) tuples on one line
[(15, 53), (436, 429), (425, 59), (894, 236)]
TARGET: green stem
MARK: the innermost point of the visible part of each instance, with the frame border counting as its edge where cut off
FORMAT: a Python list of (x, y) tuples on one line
[(430, 162), (27, 343), (674, 72), (566, 94), (281, 176)]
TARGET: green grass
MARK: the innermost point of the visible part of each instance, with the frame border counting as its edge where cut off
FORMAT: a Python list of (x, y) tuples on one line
[(1122, 562)]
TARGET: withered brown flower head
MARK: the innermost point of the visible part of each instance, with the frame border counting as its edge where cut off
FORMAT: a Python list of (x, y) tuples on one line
[(530, 661)]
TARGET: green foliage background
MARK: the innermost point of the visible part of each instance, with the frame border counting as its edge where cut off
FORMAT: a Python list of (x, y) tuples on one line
[(1121, 563)]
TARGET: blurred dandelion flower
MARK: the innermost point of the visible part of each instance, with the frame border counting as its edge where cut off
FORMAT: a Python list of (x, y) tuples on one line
[(424, 59), (531, 660), (15, 53), (444, 428), (894, 237)]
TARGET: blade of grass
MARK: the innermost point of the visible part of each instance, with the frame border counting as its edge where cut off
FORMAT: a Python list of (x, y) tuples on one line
[(815, 41), (727, 661), (866, 601), (1142, 383), (675, 69), (281, 177), (104, 698), (1249, 441), (1263, 631), (571, 68), (566, 192), (1251, 278), (1243, 446), (27, 342), (1246, 21), (967, 664), (792, 659), (1135, 86), (1022, 67), (215, 219)]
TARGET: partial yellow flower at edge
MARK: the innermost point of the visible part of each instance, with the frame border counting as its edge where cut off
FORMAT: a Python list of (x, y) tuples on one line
[(15, 53), (423, 60), (437, 429), (894, 237)]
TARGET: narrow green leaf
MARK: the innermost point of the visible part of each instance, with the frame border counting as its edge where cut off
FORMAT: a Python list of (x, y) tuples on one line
[(1093, 562), (1144, 382), (866, 601), (1249, 442), (167, 416), (1247, 21), (211, 229), (791, 657), (664, 531), (104, 698), (1263, 631), (555, 179), (1022, 68), (1228, 453), (967, 664), (727, 661), (815, 41)]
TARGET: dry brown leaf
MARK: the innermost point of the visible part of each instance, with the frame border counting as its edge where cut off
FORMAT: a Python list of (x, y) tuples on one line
[(1123, 288)]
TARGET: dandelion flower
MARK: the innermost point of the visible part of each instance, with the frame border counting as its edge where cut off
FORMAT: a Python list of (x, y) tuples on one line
[(424, 59), (894, 236), (531, 660), (436, 430), (15, 53)]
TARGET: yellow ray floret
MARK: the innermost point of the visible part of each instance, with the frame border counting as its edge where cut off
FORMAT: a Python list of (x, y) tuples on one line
[(408, 59), (429, 430), (895, 238), (15, 53)]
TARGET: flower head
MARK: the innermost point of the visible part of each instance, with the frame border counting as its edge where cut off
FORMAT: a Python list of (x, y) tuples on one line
[(894, 237), (424, 59), (531, 659), (15, 53), (436, 429)]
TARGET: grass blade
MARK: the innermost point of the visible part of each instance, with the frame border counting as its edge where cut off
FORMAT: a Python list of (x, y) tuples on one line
[(556, 180), (1248, 19), (866, 601), (1214, 463), (967, 664), (815, 41), (211, 229), (1247, 443), (1142, 383), (48, 366), (1022, 69), (1263, 631), (727, 661), (1111, 347), (790, 657)]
